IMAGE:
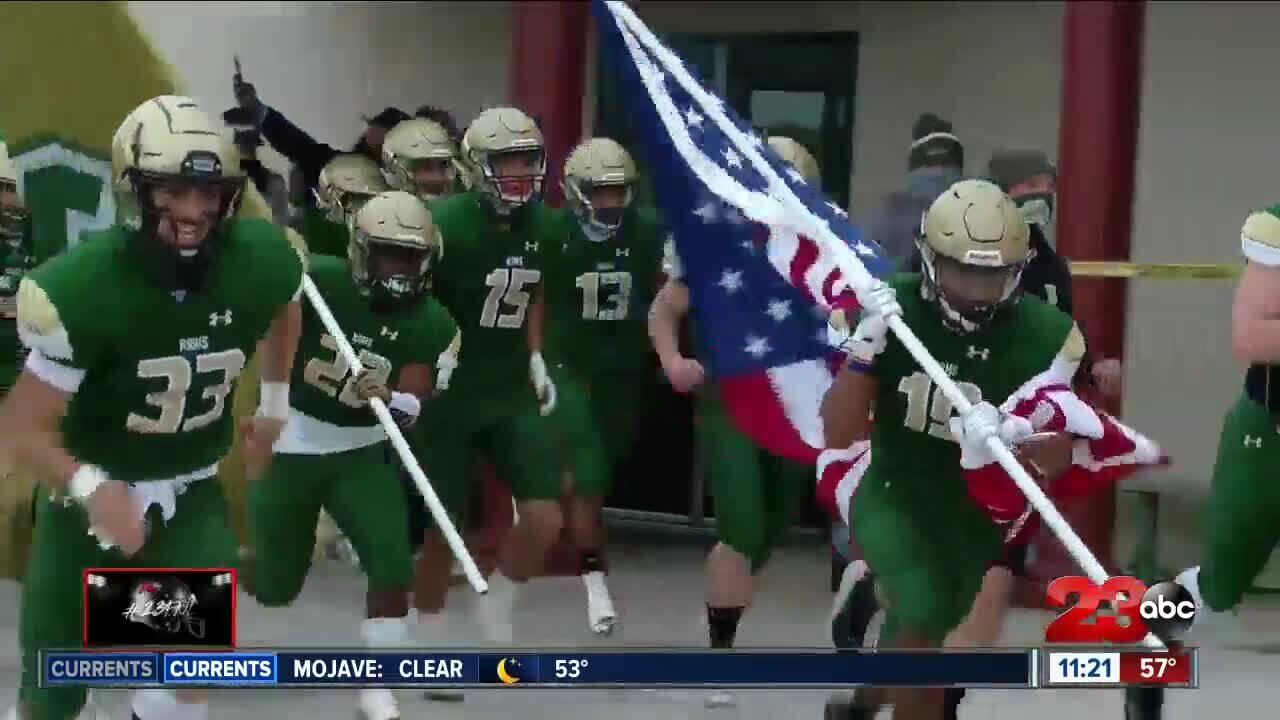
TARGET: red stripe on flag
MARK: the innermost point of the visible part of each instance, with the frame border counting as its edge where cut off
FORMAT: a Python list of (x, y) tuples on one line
[(755, 408)]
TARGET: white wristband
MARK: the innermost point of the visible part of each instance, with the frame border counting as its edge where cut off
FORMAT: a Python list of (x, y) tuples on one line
[(85, 481), (406, 403), (274, 400)]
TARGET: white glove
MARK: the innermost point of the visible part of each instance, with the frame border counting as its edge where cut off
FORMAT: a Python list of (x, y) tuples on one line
[(542, 385), (973, 428), (879, 299), (868, 340)]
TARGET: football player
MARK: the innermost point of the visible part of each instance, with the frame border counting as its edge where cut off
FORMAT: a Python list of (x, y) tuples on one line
[(346, 183), (122, 406), (15, 261), (332, 453), (496, 406), (598, 290), (1244, 516), (967, 308), (755, 493), (419, 157)]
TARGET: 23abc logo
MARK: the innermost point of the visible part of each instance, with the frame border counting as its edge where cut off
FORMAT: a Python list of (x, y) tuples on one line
[(1165, 610)]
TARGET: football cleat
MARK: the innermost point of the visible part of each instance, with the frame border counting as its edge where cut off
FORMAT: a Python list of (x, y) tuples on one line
[(600, 613)]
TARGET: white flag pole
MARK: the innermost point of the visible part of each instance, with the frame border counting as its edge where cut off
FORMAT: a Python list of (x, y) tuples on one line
[(783, 207), (437, 509)]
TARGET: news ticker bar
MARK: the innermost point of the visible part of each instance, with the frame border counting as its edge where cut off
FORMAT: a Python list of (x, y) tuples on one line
[(1022, 668)]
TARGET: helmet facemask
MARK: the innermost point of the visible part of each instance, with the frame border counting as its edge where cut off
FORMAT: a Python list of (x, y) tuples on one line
[(599, 207), (969, 294), (181, 217), (513, 177), (427, 178), (340, 207), (390, 271)]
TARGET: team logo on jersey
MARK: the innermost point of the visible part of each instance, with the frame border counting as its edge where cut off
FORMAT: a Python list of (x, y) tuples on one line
[(531, 246), (390, 334), (622, 252), (1252, 441), (515, 261), (179, 295), (222, 318), (976, 352)]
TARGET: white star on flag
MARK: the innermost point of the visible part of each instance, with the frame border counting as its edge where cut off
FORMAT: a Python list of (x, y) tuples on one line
[(838, 210), (706, 212), (779, 310), (863, 249), (733, 158), (757, 346), (795, 176), (692, 117), (731, 281)]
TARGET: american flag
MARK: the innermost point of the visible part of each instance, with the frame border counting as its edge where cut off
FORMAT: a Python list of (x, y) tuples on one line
[(760, 290)]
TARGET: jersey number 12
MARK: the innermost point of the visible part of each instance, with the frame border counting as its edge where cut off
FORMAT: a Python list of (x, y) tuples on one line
[(928, 409)]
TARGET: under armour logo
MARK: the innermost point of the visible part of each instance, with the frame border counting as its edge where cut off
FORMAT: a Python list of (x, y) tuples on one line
[(223, 318), (623, 252), (974, 352), (179, 295), (531, 247), (390, 334), (1252, 441)]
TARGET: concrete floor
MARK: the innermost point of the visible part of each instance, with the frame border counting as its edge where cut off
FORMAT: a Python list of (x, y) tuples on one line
[(658, 589)]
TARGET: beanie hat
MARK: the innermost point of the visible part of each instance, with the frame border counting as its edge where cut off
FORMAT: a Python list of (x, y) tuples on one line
[(1008, 168), (388, 118), (933, 144)]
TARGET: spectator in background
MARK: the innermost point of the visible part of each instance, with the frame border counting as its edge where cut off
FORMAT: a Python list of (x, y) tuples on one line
[(1032, 181), (247, 140), (442, 116), (935, 161), (305, 151)]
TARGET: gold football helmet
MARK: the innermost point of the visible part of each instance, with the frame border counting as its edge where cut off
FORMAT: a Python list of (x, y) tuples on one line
[(508, 136), (418, 156), (597, 164), (974, 243), (799, 157), (394, 246), (170, 144), (347, 182)]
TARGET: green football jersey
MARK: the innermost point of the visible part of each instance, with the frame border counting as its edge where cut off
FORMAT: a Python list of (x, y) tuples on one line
[(488, 277), (324, 236), (912, 435), (598, 295), (322, 386), (157, 368), (14, 264)]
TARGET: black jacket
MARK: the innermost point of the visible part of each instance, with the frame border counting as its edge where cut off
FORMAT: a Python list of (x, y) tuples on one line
[(302, 150)]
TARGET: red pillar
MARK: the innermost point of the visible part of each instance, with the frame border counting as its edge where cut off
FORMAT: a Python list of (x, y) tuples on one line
[(548, 59), (1102, 49)]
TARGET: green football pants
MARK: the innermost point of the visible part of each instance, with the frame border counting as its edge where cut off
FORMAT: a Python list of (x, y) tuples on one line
[(1244, 505), (361, 491), (930, 549), (594, 421), (756, 493), (461, 430), (198, 535)]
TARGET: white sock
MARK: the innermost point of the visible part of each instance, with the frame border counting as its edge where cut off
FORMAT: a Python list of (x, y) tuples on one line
[(155, 704), (385, 632)]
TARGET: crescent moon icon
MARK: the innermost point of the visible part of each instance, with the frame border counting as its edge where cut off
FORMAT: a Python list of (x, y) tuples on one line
[(504, 675)]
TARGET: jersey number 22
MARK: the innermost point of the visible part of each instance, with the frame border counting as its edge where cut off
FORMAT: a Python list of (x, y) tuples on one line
[(327, 376), (928, 409)]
